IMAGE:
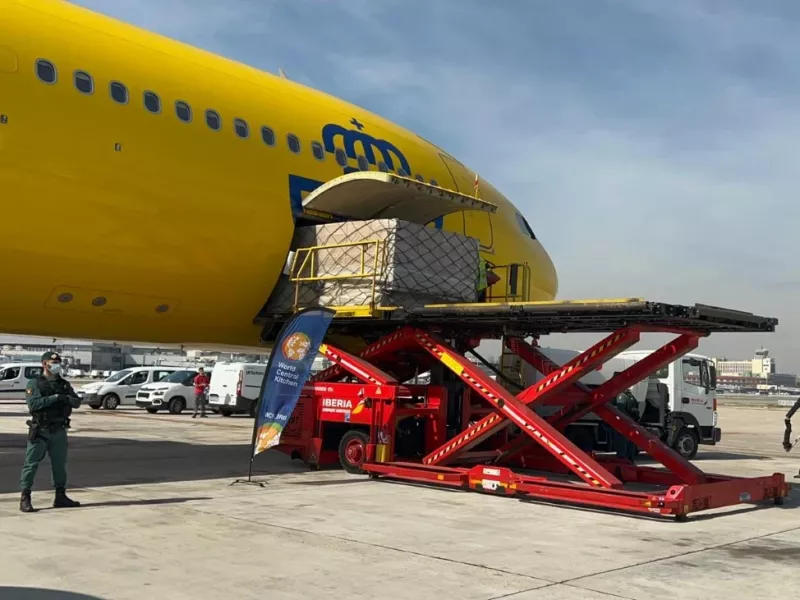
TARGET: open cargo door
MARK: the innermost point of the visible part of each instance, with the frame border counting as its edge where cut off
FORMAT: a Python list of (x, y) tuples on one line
[(376, 195)]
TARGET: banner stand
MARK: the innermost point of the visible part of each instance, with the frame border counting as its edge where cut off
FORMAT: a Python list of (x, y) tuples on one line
[(288, 369), (249, 480)]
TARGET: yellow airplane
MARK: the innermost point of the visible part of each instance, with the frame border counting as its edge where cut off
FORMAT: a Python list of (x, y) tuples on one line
[(150, 189)]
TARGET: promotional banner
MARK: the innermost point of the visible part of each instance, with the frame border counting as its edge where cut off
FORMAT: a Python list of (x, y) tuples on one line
[(288, 369)]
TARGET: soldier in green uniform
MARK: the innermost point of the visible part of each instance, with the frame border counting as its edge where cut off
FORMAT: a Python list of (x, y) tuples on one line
[(50, 399)]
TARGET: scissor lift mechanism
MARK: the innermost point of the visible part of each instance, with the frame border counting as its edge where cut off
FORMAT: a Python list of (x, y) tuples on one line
[(414, 341)]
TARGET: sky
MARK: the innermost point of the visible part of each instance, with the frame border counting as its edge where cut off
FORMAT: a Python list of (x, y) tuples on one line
[(650, 144)]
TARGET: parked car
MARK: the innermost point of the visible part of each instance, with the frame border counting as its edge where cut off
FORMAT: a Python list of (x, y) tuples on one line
[(174, 393), (14, 377), (121, 387)]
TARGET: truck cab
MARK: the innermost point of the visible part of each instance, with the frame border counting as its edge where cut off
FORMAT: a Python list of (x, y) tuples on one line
[(676, 404), (691, 416)]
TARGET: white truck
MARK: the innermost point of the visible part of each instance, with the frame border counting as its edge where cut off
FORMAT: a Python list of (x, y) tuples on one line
[(235, 387), (676, 404)]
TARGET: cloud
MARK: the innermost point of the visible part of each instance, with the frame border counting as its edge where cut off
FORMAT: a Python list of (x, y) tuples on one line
[(649, 143)]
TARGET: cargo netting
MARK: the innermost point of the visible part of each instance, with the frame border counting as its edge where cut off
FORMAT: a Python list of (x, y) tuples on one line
[(377, 263)]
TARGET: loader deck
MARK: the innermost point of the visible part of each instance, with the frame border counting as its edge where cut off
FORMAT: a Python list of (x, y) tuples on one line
[(526, 319)]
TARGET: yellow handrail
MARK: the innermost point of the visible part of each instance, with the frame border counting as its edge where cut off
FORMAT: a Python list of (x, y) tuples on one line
[(310, 253), (523, 284)]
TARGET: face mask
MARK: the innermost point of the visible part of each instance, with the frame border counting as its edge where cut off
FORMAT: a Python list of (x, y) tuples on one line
[(55, 369)]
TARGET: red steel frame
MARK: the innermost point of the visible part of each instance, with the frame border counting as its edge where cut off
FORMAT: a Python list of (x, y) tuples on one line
[(541, 443)]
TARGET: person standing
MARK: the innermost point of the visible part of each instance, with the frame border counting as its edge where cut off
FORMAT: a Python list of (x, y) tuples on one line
[(201, 381), (50, 399)]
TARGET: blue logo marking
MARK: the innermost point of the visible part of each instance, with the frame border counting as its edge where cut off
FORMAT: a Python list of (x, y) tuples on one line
[(369, 145), (298, 185)]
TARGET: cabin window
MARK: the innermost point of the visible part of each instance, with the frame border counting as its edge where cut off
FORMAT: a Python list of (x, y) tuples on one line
[(294, 143), (183, 111), (382, 167), (433, 182), (46, 71), (241, 127), (152, 102), (341, 157), (213, 120), (317, 150), (420, 178), (362, 163), (119, 92), (268, 136), (523, 225), (84, 82)]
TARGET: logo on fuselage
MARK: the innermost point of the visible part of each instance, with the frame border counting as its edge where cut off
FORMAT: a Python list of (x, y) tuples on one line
[(375, 151), (369, 146)]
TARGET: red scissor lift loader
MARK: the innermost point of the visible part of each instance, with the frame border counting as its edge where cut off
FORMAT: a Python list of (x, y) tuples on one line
[(466, 430)]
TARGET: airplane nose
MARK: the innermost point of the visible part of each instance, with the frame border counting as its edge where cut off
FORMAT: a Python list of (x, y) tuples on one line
[(544, 278)]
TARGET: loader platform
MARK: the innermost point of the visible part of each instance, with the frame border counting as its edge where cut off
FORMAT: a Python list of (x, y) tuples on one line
[(466, 430), (526, 319)]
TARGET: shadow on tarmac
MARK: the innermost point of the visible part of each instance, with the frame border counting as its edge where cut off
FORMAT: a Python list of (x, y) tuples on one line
[(112, 461), (150, 502), (719, 455), (18, 593)]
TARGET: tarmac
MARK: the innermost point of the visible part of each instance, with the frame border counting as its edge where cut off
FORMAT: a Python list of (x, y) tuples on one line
[(160, 519)]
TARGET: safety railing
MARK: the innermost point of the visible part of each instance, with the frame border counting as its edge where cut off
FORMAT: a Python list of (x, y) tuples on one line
[(307, 262), (514, 284)]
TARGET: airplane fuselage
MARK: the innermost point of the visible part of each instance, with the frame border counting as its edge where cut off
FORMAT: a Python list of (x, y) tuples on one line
[(149, 187)]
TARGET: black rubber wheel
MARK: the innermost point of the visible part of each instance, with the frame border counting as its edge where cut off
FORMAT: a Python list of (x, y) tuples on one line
[(151, 409), (686, 443), (252, 411), (94, 406), (176, 406), (110, 401), (780, 500), (225, 412), (353, 451)]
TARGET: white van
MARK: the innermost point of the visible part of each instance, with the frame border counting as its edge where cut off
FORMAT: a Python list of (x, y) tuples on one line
[(235, 387), (14, 377), (121, 387), (174, 393)]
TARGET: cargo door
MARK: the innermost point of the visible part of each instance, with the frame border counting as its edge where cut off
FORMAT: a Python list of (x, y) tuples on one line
[(365, 195), (477, 224)]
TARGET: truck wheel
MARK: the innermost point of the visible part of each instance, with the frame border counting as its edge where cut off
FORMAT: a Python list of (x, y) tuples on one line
[(582, 438), (686, 443), (151, 409), (110, 401), (225, 412), (353, 450), (94, 406), (252, 411), (176, 406)]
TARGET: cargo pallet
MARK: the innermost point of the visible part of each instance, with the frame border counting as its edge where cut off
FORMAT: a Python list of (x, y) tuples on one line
[(489, 440)]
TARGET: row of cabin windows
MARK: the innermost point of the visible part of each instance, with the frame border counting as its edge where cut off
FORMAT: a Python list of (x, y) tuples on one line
[(84, 83)]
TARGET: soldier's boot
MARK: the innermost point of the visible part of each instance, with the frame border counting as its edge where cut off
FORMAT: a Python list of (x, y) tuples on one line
[(62, 501), (25, 502)]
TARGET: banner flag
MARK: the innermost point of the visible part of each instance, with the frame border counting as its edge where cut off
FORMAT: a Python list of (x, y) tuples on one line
[(287, 371)]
